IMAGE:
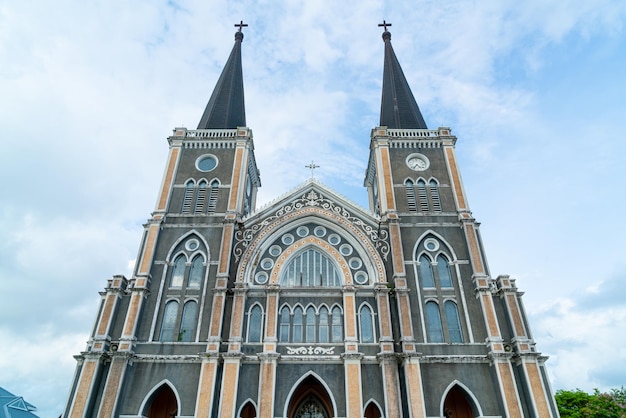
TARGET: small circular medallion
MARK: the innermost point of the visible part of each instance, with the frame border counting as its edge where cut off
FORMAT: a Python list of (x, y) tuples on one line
[(417, 162)]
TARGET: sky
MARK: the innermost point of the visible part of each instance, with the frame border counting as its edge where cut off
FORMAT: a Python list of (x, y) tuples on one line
[(90, 90)]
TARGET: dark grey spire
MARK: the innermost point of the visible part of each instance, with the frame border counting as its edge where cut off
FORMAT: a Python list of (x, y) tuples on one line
[(398, 108), (226, 109)]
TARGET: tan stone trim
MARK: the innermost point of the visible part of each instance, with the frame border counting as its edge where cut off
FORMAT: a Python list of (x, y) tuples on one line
[(107, 313), (267, 387), (415, 391), (84, 388), (227, 239), (396, 249), (405, 315), (132, 314), (349, 315), (392, 389), (509, 390), (167, 181), (456, 179), (490, 315), (387, 178), (229, 387), (112, 387), (271, 316), (513, 308), (354, 396), (216, 314), (540, 402), (384, 315), (204, 402), (236, 176), (475, 255), (236, 324), (148, 249)]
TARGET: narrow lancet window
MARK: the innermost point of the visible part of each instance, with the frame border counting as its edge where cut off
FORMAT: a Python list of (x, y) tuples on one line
[(443, 271), (434, 195), (453, 322), (188, 322), (410, 195), (366, 324), (285, 322), (426, 272), (196, 272), (178, 271), (433, 323), (168, 325), (255, 324)]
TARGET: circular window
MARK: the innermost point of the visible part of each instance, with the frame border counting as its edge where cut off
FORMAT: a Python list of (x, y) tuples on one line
[(431, 244), (417, 162), (206, 162), (261, 277), (319, 231), (355, 263), (287, 239), (334, 239), (345, 249), (275, 250), (302, 231), (267, 263), (192, 245), (360, 277)]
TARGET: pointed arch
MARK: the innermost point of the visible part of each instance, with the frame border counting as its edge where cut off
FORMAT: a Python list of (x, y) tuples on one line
[(309, 266), (154, 394), (190, 188), (433, 188), (310, 383), (449, 249), (247, 409), (214, 189), (255, 323), (284, 321), (372, 409), (188, 235), (411, 201), (455, 389), (367, 331)]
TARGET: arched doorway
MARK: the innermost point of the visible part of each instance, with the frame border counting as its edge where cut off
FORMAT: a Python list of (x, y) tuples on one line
[(457, 405), (310, 400), (372, 411), (163, 403), (248, 411)]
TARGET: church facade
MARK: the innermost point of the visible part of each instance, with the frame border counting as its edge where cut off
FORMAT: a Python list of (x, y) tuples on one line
[(311, 306)]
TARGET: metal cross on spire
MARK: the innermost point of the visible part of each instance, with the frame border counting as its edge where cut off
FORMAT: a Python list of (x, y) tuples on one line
[(241, 25), (312, 167), (382, 25)]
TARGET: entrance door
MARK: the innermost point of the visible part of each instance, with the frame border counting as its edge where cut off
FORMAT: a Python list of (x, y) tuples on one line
[(310, 400), (456, 404), (311, 408), (163, 404)]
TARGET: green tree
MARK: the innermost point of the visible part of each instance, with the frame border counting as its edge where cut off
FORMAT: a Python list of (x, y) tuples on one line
[(580, 404)]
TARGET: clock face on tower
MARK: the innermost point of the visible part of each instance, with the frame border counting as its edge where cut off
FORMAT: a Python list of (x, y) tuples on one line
[(417, 162)]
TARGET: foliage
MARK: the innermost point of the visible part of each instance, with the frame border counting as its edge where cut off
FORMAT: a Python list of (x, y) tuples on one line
[(580, 404)]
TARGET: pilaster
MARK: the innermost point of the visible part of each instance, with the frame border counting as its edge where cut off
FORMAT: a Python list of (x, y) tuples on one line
[(354, 395), (230, 382), (267, 384)]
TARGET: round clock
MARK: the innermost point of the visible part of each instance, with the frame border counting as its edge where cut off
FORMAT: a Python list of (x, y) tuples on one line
[(417, 162)]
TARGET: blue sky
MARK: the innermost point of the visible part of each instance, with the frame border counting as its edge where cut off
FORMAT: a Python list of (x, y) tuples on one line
[(89, 91)]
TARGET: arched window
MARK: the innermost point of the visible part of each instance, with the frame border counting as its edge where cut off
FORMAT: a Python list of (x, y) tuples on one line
[(453, 322), (248, 411), (255, 324), (284, 325), (323, 333), (188, 321), (423, 195), (337, 325), (366, 324), (178, 271), (443, 270), (213, 196), (310, 325), (201, 197), (168, 326), (196, 272), (426, 272), (433, 323), (434, 195), (297, 325), (310, 268), (410, 195), (188, 198)]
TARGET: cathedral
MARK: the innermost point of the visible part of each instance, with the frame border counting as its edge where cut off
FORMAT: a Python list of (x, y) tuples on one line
[(311, 306)]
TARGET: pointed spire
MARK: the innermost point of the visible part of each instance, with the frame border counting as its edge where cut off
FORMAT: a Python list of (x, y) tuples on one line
[(398, 108), (226, 109)]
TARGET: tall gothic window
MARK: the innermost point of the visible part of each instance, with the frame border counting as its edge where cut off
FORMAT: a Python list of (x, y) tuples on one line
[(423, 195), (201, 197), (255, 324), (434, 195), (196, 272), (453, 322), (443, 271), (178, 271), (410, 195), (310, 268), (188, 197), (188, 321), (433, 323), (168, 326), (285, 324), (366, 324), (213, 192), (311, 326), (426, 272)]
